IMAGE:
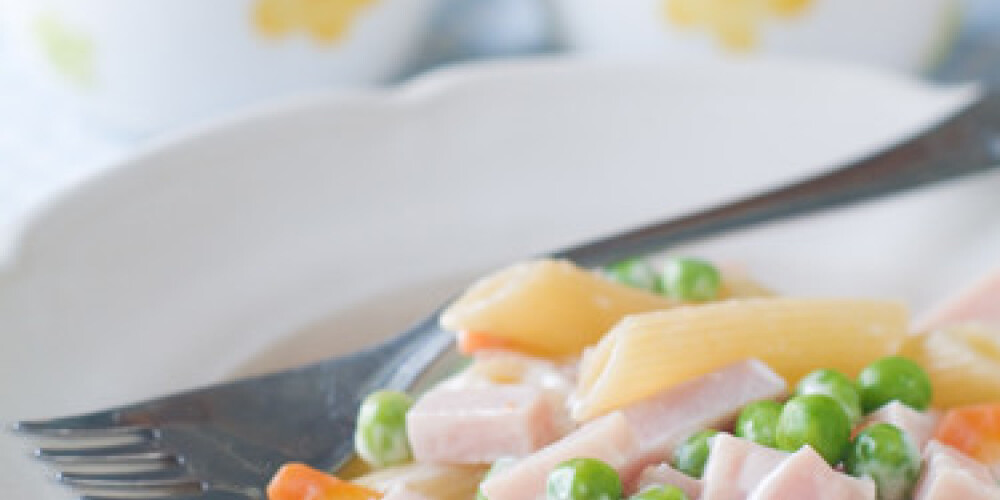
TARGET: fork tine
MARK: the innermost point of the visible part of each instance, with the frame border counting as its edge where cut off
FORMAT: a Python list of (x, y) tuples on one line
[(98, 451), (173, 485), (139, 458), (114, 496), (163, 488), (80, 427), (105, 494), (165, 473), (207, 495), (151, 457), (101, 419)]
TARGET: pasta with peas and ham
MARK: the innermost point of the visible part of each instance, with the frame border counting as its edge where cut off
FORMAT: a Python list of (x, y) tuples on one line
[(684, 380)]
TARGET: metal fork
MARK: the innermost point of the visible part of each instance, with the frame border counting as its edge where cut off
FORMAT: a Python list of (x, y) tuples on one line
[(223, 442)]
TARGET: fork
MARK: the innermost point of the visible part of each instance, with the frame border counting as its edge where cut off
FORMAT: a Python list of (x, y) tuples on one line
[(224, 442)]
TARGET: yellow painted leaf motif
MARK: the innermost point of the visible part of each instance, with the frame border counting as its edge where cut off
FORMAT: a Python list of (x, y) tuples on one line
[(325, 21), (70, 51), (788, 8), (275, 18), (683, 12), (734, 23)]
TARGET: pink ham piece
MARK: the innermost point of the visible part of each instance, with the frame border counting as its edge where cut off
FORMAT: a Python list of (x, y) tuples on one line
[(608, 439), (712, 401), (647, 432), (938, 452), (806, 475), (918, 425), (475, 425), (978, 304), (736, 466), (949, 474), (665, 475), (493, 368)]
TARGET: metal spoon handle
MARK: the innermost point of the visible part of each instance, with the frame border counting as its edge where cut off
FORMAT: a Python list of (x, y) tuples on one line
[(964, 143)]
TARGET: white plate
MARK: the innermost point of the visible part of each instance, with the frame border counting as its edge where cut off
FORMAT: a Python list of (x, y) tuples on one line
[(313, 227)]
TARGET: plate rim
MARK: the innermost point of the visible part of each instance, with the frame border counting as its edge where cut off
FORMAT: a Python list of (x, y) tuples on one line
[(440, 81)]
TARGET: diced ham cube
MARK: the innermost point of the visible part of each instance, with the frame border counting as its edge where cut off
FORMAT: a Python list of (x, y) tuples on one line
[(736, 466), (665, 475), (607, 438), (806, 475), (949, 474), (480, 424), (491, 368), (936, 451), (978, 304), (939, 457), (647, 432), (917, 425), (955, 484), (714, 400)]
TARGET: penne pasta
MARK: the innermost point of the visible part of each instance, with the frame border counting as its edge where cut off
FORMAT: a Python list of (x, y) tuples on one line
[(440, 482), (547, 307), (963, 362), (738, 284), (646, 353)]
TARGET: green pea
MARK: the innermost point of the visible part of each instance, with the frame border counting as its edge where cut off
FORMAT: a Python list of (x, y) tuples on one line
[(758, 422), (894, 378), (380, 436), (499, 465), (691, 280), (583, 479), (816, 420), (883, 453), (836, 385), (661, 493), (635, 273), (691, 455)]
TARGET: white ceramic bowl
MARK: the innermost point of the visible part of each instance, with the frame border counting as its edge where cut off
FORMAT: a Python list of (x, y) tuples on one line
[(324, 224), (144, 66), (900, 34)]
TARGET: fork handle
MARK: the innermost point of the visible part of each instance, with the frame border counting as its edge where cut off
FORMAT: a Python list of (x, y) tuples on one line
[(964, 143)]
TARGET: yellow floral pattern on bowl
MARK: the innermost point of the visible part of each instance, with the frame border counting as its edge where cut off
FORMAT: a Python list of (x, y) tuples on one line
[(326, 21), (733, 22), (71, 52)]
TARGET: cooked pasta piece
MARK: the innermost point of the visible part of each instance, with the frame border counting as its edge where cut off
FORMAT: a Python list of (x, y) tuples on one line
[(646, 353), (738, 284), (438, 482), (963, 362), (547, 307)]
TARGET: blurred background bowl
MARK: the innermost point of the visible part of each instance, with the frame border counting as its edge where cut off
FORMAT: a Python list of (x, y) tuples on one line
[(908, 35), (145, 66), (149, 66)]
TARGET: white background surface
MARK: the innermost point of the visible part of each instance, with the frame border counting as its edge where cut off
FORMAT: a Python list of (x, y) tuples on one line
[(253, 246)]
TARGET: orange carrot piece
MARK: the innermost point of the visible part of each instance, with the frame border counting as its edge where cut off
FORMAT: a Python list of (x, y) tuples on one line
[(296, 481), (473, 342), (973, 430)]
